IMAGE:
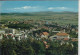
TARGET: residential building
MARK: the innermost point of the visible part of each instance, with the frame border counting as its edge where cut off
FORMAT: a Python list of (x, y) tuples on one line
[(44, 35), (62, 35), (13, 31), (2, 31)]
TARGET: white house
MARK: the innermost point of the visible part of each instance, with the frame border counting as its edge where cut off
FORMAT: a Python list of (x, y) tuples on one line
[(21, 36), (13, 31)]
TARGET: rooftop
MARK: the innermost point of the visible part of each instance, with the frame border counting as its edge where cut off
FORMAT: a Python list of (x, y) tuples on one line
[(45, 33), (62, 34)]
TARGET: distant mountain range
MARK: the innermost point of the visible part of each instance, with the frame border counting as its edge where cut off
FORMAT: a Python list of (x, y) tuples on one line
[(44, 13)]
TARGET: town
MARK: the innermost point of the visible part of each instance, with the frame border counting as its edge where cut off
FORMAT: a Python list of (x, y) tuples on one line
[(37, 34), (39, 27), (43, 31), (38, 30)]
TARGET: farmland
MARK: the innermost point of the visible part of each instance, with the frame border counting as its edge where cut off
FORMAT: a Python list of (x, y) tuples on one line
[(61, 18)]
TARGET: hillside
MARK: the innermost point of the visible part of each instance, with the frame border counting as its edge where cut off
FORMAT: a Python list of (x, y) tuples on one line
[(45, 13)]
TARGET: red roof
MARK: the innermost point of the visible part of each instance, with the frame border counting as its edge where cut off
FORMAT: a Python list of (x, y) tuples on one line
[(66, 38), (9, 34), (62, 34), (44, 42), (45, 33)]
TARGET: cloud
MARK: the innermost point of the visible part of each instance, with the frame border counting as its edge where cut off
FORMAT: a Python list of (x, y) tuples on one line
[(28, 7), (16, 8), (37, 8), (60, 8), (25, 7)]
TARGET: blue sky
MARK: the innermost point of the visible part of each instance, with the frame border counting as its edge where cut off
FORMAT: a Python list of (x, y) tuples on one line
[(37, 6)]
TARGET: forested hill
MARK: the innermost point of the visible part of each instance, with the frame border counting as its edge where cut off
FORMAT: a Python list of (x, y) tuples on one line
[(45, 13)]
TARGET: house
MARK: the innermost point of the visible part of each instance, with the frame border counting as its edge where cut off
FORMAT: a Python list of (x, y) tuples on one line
[(73, 29), (2, 31), (66, 39), (46, 44), (74, 39), (10, 30), (44, 35), (55, 31), (62, 35), (76, 31), (21, 36)]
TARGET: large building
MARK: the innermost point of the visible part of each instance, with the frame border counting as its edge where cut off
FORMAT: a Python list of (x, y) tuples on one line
[(62, 35), (13, 31)]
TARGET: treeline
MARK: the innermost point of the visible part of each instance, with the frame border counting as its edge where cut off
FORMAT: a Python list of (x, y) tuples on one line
[(20, 25), (31, 46), (40, 31)]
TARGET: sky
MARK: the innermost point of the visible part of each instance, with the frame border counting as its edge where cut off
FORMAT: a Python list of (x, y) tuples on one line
[(37, 6)]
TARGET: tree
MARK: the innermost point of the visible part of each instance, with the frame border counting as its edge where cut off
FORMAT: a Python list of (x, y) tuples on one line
[(8, 47), (39, 47)]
